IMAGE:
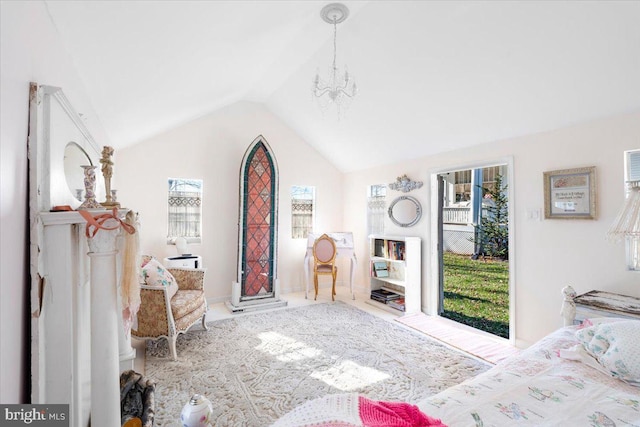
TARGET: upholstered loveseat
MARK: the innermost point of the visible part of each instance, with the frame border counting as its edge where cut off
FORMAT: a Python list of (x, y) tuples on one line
[(170, 303)]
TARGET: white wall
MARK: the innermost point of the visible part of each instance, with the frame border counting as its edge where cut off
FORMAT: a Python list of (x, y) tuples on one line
[(211, 148), (549, 254), (30, 51)]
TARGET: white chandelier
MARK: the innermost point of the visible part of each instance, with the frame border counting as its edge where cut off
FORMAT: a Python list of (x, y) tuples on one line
[(339, 88)]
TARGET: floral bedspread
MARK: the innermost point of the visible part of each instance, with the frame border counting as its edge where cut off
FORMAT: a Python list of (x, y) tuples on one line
[(539, 388)]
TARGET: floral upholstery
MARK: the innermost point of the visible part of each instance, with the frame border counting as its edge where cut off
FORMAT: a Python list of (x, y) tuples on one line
[(163, 316), (187, 279), (184, 302)]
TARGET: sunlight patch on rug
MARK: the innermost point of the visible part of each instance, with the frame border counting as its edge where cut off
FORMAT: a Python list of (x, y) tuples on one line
[(349, 376), (284, 348)]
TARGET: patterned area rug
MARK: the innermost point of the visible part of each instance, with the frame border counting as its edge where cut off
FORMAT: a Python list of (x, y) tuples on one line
[(258, 367)]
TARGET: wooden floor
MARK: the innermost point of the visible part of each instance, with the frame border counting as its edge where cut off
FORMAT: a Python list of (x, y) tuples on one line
[(486, 346)]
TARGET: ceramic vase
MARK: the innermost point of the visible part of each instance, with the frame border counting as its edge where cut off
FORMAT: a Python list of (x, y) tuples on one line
[(197, 412), (89, 189)]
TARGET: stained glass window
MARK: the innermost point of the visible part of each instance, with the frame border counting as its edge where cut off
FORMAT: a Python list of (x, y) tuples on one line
[(258, 233)]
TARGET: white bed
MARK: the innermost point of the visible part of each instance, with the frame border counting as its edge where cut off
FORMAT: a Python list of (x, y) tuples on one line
[(577, 376), (542, 387)]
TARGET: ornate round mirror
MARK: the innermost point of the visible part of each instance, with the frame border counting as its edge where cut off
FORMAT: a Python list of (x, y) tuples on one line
[(405, 211), (74, 157)]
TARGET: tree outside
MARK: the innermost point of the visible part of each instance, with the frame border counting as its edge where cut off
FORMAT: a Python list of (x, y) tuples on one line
[(492, 234)]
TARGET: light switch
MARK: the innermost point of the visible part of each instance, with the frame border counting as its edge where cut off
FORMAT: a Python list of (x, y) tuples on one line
[(534, 214)]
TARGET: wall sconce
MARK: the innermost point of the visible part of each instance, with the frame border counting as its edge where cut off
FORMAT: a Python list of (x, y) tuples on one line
[(404, 184)]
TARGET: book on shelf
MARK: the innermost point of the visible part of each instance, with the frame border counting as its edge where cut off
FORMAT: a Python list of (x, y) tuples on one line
[(380, 269), (378, 248), (379, 265), (398, 304), (396, 250), (381, 273), (379, 299), (384, 295)]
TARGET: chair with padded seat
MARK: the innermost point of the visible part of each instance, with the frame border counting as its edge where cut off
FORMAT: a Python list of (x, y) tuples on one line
[(170, 303), (324, 262)]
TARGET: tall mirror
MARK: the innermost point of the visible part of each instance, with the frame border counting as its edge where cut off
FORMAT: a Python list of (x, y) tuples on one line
[(74, 158)]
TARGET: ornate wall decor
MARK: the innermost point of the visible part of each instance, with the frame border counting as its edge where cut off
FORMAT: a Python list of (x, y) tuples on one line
[(405, 184)]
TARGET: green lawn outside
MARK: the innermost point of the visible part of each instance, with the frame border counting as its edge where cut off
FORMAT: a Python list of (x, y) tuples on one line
[(476, 293)]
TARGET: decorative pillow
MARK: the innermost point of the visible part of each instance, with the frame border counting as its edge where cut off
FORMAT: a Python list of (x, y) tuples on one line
[(155, 274), (593, 341), (616, 347), (595, 321), (144, 259)]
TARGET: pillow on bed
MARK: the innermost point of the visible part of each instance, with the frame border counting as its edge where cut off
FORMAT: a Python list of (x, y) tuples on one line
[(616, 347), (155, 274), (595, 321)]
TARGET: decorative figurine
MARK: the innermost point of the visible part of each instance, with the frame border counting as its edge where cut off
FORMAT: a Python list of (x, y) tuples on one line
[(107, 172), (89, 189)]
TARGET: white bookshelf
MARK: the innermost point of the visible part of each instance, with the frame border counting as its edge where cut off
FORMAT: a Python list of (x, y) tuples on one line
[(403, 260)]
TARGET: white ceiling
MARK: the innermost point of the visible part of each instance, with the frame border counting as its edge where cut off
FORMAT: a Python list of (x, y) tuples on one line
[(432, 75)]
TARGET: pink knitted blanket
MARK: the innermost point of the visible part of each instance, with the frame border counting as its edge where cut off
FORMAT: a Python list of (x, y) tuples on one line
[(394, 414), (353, 410)]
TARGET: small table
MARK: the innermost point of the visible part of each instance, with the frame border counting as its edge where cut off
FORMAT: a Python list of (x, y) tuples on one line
[(606, 304), (188, 261)]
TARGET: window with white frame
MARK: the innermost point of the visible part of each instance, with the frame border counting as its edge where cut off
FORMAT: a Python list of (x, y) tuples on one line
[(185, 209), (302, 210), (376, 208)]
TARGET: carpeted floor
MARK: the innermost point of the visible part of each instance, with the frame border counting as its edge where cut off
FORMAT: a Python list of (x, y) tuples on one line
[(256, 368)]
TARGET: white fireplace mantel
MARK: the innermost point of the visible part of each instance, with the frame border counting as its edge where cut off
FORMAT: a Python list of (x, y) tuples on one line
[(78, 344)]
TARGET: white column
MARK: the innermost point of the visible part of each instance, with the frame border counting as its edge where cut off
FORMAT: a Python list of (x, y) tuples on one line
[(105, 371)]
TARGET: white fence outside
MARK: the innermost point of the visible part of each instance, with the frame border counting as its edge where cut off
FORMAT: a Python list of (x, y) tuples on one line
[(457, 230)]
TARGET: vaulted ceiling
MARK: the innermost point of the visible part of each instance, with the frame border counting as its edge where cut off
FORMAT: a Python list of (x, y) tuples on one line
[(432, 75)]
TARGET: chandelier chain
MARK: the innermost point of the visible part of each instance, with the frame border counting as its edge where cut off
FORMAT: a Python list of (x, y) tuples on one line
[(339, 88), (335, 44)]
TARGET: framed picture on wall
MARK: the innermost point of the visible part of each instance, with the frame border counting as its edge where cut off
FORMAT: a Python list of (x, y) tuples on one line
[(570, 193)]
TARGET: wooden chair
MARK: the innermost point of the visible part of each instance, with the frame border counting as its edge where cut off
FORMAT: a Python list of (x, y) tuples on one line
[(324, 261)]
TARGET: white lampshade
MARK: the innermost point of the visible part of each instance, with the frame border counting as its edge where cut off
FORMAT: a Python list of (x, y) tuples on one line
[(181, 246), (627, 226)]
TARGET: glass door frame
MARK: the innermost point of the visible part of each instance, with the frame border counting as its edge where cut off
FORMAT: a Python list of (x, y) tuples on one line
[(432, 290)]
